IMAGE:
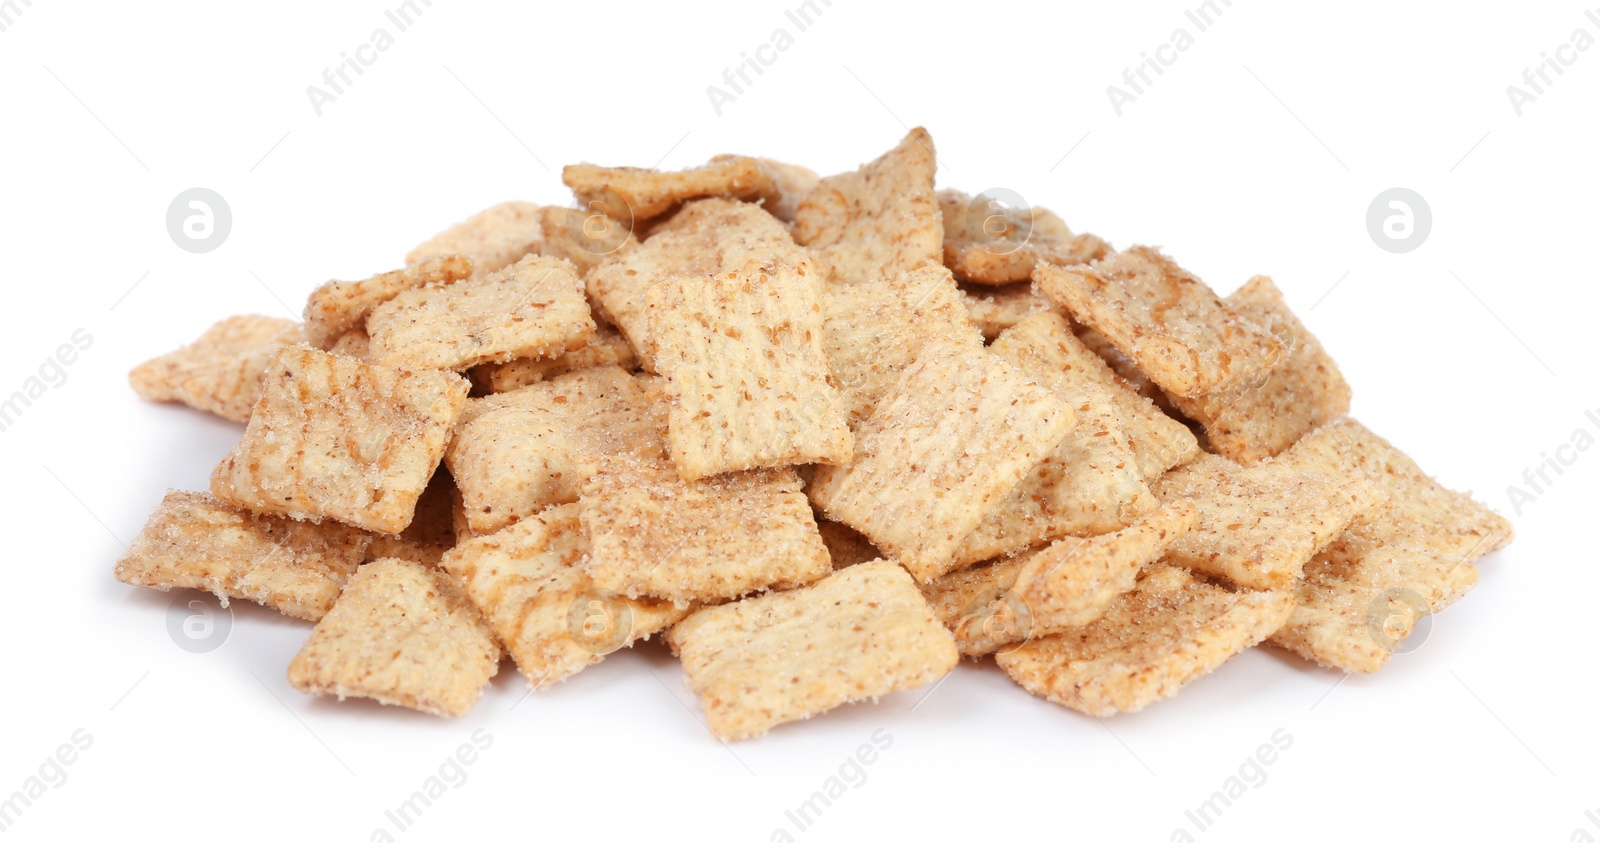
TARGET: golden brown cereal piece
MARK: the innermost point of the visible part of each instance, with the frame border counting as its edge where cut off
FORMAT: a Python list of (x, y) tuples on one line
[(402, 634), (1065, 585), (640, 194), (1182, 336), (1072, 583), (193, 540), (846, 547), (706, 236), (1259, 525), (1263, 415), (742, 354), (339, 307), (861, 633), (967, 602), (986, 242), (878, 221), (432, 528), (354, 344), (873, 331), (333, 438), (958, 431), (221, 371), (965, 592), (531, 583), (1091, 482), (1410, 557), (1170, 630), (607, 348), (586, 237), (655, 534), (494, 238), (533, 308), (994, 309), (518, 452), (1158, 441)]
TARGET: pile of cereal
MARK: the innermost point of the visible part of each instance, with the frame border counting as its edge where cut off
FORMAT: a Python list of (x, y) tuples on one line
[(826, 435)]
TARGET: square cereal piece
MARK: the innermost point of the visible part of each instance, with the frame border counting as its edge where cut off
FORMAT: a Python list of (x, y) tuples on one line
[(1410, 557), (955, 435), (1182, 336), (1091, 482), (333, 438), (195, 541), (872, 331), (1170, 630), (1259, 525), (635, 193), (530, 581), (533, 308), (1159, 442), (402, 634), (878, 221), (607, 348), (986, 242), (338, 307), (742, 354), (518, 452), (494, 238), (1261, 416), (584, 236), (859, 634), (1071, 582), (1063, 586), (706, 236), (432, 528), (994, 309), (655, 534), (221, 371)]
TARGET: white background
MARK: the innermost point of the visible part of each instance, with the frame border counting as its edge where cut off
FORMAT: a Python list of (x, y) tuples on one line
[(1258, 151)]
